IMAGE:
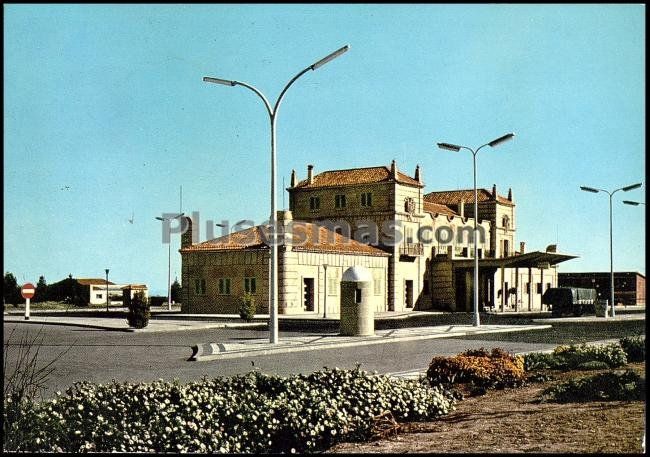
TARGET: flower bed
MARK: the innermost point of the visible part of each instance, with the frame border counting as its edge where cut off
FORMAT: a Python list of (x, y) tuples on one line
[(252, 413)]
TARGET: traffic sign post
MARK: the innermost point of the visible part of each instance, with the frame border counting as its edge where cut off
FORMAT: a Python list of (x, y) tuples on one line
[(27, 291)]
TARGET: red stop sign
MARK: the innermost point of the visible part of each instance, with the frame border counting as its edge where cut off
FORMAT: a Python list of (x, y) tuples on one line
[(28, 290)]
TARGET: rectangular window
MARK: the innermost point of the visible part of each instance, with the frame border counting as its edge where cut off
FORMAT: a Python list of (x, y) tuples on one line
[(377, 277), (332, 284), (408, 232), (339, 201), (250, 285), (539, 287), (224, 286), (199, 286), (527, 287), (366, 199), (98, 295), (314, 203)]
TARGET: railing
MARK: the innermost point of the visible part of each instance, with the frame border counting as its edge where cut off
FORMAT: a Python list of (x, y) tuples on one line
[(411, 249)]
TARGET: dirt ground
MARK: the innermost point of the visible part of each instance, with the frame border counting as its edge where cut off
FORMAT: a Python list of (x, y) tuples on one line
[(509, 421)]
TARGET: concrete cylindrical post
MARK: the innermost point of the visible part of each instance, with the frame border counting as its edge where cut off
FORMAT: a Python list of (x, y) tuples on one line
[(357, 314)]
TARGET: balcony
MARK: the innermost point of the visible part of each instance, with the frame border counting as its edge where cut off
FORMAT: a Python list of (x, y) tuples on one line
[(411, 249)]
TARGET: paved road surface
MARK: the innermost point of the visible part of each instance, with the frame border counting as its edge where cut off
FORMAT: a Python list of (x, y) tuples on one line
[(101, 355)]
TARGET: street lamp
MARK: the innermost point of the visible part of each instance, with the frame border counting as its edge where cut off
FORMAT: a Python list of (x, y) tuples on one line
[(273, 111), (628, 202), (456, 148), (169, 258), (611, 252), (106, 290)]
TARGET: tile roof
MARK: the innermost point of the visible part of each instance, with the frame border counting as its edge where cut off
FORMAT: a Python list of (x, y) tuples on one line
[(94, 282), (436, 208), (135, 286), (356, 176), (306, 237), (453, 197)]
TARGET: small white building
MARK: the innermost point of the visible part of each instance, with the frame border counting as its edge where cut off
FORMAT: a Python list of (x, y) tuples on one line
[(97, 289)]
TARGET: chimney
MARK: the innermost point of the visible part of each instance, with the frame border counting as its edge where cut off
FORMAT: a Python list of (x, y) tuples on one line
[(522, 247), (417, 173), (510, 194), (461, 208), (294, 180), (186, 236), (310, 174), (494, 191), (393, 169)]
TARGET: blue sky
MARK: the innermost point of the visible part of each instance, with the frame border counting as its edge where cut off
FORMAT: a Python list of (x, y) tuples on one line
[(109, 101)]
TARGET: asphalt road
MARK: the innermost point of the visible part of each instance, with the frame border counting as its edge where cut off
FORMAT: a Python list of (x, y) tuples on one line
[(101, 355)]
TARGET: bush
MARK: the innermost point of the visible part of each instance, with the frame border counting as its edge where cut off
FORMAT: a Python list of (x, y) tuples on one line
[(479, 368), (247, 307), (251, 413), (593, 365), (138, 315), (573, 356), (609, 386), (634, 347)]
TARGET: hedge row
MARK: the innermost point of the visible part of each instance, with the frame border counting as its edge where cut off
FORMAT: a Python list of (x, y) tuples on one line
[(252, 413)]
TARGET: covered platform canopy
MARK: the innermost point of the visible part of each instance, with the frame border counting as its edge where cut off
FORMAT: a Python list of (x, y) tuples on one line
[(535, 259)]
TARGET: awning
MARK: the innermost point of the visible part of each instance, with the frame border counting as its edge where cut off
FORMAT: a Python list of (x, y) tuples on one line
[(534, 259)]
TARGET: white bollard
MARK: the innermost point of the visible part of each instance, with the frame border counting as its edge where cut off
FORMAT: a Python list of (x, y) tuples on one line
[(27, 309)]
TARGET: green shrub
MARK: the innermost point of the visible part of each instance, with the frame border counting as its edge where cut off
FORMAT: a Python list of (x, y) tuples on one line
[(573, 356), (593, 365), (251, 413), (608, 386), (138, 314), (634, 347), (479, 368), (247, 307)]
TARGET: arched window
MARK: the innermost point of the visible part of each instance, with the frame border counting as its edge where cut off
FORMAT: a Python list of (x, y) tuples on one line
[(505, 222)]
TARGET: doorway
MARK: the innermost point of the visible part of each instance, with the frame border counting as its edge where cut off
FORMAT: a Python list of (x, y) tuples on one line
[(408, 293), (308, 294)]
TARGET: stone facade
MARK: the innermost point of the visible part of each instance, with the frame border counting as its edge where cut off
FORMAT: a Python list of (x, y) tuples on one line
[(419, 248), (216, 275)]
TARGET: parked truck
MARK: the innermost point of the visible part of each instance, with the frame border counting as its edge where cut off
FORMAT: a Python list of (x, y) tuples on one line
[(570, 301)]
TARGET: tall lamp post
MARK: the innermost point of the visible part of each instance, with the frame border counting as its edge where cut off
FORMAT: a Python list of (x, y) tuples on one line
[(611, 251), (169, 259), (273, 111), (456, 148), (106, 290)]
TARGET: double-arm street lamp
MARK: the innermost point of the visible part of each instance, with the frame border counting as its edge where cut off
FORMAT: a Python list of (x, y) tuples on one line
[(169, 258), (628, 202), (273, 111), (456, 148), (611, 252)]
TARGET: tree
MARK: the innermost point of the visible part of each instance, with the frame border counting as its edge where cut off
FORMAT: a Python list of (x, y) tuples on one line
[(139, 314), (41, 290), (176, 291), (11, 291)]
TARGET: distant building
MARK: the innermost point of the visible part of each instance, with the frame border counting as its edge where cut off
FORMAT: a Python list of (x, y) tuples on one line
[(97, 290), (629, 287), (380, 218), (129, 291)]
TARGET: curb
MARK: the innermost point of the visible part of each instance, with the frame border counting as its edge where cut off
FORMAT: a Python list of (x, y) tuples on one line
[(209, 351), (135, 330)]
